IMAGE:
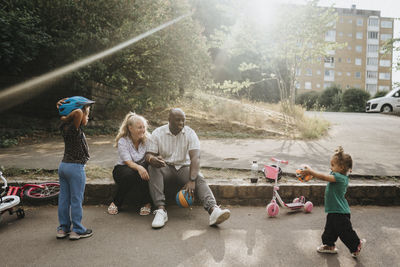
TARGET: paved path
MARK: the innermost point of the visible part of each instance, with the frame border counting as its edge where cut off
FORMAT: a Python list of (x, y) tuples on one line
[(371, 139), (248, 238)]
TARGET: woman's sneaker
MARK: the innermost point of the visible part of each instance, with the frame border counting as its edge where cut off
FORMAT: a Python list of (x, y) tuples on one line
[(327, 249), (76, 236), (355, 254)]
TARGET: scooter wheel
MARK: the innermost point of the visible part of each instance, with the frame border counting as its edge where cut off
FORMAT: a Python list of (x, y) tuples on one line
[(272, 209), (308, 206)]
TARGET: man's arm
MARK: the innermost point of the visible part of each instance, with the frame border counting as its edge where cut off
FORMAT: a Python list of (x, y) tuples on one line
[(194, 163)]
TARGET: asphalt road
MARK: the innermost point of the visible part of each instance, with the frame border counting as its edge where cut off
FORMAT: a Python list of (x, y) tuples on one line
[(248, 238), (371, 139)]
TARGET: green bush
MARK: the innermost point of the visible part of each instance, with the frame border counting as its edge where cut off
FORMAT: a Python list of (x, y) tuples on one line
[(308, 100), (331, 98), (353, 100), (380, 94)]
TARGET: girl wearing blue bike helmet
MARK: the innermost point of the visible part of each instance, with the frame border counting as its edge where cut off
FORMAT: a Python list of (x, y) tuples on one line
[(74, 113)]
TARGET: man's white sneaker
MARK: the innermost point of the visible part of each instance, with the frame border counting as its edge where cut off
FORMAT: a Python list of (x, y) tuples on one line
[(219, 215), (160, 219)]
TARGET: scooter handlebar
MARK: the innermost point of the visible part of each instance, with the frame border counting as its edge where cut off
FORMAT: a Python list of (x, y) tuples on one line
[(280, 160), (4, 180)]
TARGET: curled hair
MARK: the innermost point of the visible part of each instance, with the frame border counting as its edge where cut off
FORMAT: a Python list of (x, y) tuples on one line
[(129, 120), (344, 160)]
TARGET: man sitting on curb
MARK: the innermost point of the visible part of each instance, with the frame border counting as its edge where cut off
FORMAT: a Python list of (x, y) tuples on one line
[(174, 153)]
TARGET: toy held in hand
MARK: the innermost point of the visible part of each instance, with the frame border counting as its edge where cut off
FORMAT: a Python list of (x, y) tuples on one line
[(303, 178), (183, 199)]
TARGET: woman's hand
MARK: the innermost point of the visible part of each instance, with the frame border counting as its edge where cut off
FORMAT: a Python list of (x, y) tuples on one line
[(143, 173)]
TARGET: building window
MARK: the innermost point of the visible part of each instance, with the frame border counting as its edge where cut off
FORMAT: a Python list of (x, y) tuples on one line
[(384, 88), (372, 35), (348, 74), (329, 59), (357, 86), (340, 33), (308, 72), (359, 35), (330, 36), (340, 59), (339, 73), (358, 75), (385, 37), (384, 63), (318, 72), (350, 21), (360, 22), (350, 35), (371, 88), (358, 61), (359, 48), (318, 85), (348, 60), (374, 22), (386, 24), (297, 85), (327, 85), (384, 76), (372, 74), (298, 72), (349, 47), (373, 48), (307, 85), (373, 61)]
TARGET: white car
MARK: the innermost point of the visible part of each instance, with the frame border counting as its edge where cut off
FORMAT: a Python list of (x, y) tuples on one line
[(389, 103)]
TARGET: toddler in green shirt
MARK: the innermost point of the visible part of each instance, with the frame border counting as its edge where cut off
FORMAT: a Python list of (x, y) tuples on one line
[(338, 222)]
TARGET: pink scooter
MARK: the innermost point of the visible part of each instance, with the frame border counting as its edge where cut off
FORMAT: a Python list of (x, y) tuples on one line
[(272, 172)]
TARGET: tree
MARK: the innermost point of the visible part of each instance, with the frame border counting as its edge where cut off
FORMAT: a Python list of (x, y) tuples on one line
[(295, 37), (149, 73)]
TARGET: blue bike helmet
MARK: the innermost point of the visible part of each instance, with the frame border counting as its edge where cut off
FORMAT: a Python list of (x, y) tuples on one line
[(73, 103)]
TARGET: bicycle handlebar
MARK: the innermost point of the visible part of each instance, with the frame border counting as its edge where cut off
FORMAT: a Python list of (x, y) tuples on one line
[(280, 160)]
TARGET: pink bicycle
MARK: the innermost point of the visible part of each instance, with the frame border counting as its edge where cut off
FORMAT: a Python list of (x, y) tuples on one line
[(11, 196), (272, 172)]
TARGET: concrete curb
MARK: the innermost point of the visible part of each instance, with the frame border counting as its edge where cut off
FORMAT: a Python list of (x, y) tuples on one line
[(261, 194)]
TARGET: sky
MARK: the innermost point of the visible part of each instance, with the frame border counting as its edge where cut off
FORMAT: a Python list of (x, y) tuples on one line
[(388, 8)]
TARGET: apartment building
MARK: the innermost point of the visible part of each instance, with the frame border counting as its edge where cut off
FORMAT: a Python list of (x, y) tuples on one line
[(361, 62)]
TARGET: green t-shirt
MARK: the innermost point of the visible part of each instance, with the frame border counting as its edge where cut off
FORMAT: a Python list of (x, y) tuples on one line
[(335, 202)]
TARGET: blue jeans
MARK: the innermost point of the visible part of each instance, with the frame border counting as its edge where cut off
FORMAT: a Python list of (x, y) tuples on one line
[(72, 187)]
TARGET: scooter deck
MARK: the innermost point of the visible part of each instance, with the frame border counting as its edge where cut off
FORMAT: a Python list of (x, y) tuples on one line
[(296, 205)]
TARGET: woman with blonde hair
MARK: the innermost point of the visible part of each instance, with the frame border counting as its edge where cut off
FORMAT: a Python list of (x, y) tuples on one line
[(131, 169)]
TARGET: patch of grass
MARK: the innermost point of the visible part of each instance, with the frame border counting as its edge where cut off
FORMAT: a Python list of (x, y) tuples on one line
[(10, 172), (96, 172)]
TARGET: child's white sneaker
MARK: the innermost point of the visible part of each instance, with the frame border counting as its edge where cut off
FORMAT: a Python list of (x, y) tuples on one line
[(327, 249), (356, 253), (160, 219)]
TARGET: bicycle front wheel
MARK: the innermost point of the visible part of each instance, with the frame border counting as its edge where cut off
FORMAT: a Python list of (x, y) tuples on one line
[(42, 192)]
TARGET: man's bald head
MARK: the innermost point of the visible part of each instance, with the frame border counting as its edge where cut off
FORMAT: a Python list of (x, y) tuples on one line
[(176, 111), (176, 120)]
